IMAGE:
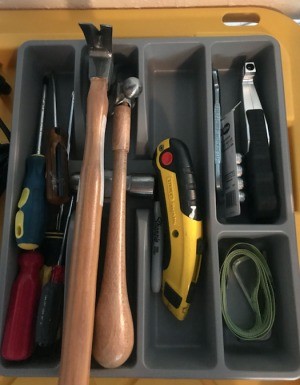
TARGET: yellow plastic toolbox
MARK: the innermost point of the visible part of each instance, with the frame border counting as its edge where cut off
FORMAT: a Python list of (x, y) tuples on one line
[(17, 27), (20, 26)]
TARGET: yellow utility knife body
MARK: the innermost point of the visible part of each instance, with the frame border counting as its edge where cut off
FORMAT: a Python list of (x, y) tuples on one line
[(182, 225)]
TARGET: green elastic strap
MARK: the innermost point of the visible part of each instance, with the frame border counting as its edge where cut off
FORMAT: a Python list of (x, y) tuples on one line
[(264, 315)]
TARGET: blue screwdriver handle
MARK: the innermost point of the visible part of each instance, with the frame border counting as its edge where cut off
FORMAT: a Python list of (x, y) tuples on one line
[(30, 218)]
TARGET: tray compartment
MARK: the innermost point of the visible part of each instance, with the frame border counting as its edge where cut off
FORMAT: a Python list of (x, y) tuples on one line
[(175, 91), (279, 354), (229, 57), (35, 60)]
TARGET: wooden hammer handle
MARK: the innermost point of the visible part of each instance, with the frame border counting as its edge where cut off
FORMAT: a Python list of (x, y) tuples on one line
[(81, 296), (114, 335)]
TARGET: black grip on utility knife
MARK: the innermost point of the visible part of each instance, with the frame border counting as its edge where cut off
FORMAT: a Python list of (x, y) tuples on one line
[(260, 177), (183, 168)]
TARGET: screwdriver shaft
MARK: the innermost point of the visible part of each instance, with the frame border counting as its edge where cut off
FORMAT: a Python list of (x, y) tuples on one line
[(57, 161), (54, 101), (70, 123), (42, 117), (66, 231)]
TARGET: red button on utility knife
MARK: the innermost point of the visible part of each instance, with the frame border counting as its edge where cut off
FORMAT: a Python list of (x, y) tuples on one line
[(166, 158)]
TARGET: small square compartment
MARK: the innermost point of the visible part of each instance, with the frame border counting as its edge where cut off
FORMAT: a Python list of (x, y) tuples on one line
[(278, 355)]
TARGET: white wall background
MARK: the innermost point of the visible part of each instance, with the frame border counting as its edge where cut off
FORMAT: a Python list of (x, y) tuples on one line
[(289, 7)]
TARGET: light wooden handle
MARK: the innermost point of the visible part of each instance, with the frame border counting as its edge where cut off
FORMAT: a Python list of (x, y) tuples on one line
[(113, 335), (81, 296)]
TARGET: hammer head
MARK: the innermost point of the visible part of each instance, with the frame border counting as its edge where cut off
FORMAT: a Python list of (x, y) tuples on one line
[(128, 91), (99, 44)]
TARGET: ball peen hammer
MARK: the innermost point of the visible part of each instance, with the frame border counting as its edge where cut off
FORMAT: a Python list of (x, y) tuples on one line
[(81, 289), (114, 334)]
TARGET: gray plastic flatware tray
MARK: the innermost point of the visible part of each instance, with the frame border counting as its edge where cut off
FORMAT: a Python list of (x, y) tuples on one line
[(177, 101)]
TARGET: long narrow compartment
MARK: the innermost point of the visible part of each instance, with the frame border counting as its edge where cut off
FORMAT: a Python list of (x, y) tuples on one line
[(35, 60), (229, 58), (125, 65), (175, 87)]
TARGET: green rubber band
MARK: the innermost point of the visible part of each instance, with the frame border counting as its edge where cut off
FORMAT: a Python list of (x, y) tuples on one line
[(264, 317)]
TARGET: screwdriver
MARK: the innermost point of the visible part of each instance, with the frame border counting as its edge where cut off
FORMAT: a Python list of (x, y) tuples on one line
[(61, 210), (18, 338), (53, 238), (56, 161), (51, 302), (30, 218)]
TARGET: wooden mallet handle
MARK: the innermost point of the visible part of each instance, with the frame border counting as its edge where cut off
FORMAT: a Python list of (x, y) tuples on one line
[(81, 296), (113, 334)]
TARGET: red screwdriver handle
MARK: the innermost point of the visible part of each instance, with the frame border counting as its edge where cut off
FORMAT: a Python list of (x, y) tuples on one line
[(18, 338)]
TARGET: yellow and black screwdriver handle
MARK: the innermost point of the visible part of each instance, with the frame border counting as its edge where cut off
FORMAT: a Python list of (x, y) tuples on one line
[(182, 225)]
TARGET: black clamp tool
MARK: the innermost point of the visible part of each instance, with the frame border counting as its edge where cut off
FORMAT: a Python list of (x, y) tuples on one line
[(260, 177)]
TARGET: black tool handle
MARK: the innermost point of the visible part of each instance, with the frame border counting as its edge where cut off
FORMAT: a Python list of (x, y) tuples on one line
[(4, 150), (5, 88), (49, 314), (263, 205)]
